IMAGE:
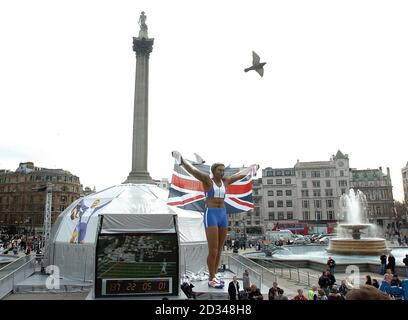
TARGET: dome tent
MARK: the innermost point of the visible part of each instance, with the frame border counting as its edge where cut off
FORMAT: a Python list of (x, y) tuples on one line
[(75, 256)]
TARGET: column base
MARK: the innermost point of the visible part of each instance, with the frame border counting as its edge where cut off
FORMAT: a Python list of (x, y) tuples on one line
[(139, 177)]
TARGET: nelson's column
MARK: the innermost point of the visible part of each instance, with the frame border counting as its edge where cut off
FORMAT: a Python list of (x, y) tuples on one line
[(142, 45)]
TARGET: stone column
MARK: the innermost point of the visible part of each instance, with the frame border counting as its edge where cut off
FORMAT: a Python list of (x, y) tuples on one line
[(139, 174)]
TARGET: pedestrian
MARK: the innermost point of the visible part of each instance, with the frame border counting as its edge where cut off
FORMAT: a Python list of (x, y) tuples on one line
[(331, 264), (405, 261), (368, 280), (376, 284), (383, 260), (312, 293), (395, 281), (280, 295), (254, 293), (324, 281), (246, 283), (300, 295), (332, 280), (321, 295), (233, 289), (273, 291), (391, 263), (343, 288), (388, 276)]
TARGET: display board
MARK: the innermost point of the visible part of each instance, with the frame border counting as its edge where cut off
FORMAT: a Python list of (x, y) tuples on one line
[(137, 264)]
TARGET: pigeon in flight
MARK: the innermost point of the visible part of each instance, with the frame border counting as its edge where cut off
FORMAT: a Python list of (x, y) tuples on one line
[(256, 65)]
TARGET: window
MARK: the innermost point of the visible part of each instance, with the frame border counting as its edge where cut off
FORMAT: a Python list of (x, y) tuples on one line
[(305, 203), (317, 203), (329, 203), (329, 192), (327, 173), (316, 184), (343, 191), (341, 173), (257, 212), (304, 184), (281, 216), (342, 183), (270, 193), (288, 181), (305, 215), (269, 181), (316, 193), (278, 181), (287, 173), (279, 193), (269, 173), (330, 215), (290, 215), (328, 183), (303, 174), (305, 193), (271, 204), (378, 211), (318, 215), (289, 204), (271, 215), (280, 204), (288, 192), (315, 174)]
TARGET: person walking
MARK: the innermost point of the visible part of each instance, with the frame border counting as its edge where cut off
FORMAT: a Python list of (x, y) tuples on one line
[(331, 264), (405, 261), (383, 259), (246, 283), (391, 263)]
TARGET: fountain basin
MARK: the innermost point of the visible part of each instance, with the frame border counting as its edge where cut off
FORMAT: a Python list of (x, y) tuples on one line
[(370, 246)]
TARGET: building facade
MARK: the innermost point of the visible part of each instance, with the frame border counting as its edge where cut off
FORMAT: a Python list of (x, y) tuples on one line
[(22, 196), (319, 186), (279, 194), (377, 188)]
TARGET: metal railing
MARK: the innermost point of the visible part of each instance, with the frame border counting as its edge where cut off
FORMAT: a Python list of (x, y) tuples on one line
[(238, 268), (16, 272), (291, 272)]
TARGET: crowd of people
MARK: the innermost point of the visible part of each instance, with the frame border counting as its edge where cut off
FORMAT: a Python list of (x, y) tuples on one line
[(327, 288), (18, 243)]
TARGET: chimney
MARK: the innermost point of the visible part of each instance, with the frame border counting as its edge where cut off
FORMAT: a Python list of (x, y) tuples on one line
[(388, 171)]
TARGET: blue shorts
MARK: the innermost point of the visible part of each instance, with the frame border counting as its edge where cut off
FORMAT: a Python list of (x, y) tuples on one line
[(216, 217)]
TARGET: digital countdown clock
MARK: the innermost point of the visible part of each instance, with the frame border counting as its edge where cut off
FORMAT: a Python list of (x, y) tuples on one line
[(137, 264), (137, 286)]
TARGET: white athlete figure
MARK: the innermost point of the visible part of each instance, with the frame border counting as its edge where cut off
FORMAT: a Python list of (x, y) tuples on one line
[(164, 265)]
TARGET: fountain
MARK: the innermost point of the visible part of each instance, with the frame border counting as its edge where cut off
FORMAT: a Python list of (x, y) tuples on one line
[(356, 236)]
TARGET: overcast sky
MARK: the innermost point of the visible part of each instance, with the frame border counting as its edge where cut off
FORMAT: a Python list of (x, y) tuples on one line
[(336, 78)]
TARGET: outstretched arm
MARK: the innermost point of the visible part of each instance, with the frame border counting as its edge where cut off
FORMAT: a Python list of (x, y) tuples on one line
[(199, 175), (252, 169)]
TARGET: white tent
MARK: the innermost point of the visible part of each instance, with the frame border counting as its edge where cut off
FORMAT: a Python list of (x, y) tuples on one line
[(75, 256)]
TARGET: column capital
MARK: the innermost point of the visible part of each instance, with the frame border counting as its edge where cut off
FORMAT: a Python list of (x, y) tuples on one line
[(142, 45)]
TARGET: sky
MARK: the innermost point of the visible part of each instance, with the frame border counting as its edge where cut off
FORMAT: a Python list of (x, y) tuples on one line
[(336, 77)]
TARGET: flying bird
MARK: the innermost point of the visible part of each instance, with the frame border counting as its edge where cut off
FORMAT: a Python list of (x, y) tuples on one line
[(256, 64)]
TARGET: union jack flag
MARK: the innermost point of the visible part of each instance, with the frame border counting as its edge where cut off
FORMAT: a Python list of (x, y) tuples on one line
[(188, 193)]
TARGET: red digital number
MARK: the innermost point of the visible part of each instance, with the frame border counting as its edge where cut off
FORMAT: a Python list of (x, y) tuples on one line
[(162, 285), (147, 286)]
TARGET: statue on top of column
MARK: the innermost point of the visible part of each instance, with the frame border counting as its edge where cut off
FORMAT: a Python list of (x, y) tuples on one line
[(143, 26)]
